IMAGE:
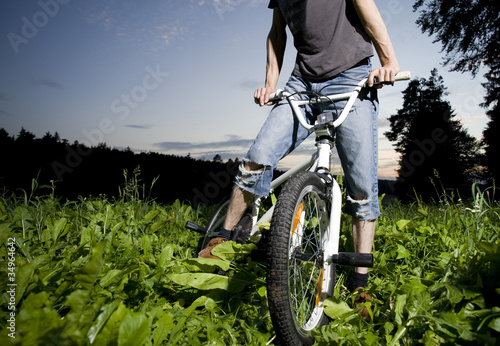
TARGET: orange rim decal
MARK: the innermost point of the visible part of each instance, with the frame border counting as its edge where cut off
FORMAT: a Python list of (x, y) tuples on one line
[(319, 286), (296, 219)]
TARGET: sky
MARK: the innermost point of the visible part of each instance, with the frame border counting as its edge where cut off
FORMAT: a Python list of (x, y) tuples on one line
[(177, 76)]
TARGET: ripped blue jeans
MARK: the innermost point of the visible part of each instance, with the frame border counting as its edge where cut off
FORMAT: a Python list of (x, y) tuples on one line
[(356, 141)]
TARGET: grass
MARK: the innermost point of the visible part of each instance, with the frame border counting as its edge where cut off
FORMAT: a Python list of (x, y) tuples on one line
[(120, 271)]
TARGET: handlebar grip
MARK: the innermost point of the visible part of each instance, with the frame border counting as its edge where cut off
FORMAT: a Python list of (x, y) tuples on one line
[(403, 75), (275, 96)]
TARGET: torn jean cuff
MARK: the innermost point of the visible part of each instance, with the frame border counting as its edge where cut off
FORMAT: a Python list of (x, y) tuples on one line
[(257, 182)]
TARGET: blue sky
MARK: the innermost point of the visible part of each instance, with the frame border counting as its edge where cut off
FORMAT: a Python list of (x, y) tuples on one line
[(175, 76)]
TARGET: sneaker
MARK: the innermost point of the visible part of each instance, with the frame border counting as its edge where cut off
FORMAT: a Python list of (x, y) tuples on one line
[(207, 251), (360, 300)]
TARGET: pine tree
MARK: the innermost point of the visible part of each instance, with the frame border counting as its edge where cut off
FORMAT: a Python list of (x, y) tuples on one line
[(469, 32), (436, 151)]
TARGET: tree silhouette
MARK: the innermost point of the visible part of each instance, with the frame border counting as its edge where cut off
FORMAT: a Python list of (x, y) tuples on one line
[(217, 158), (76, 170), (435, 149), (469, 31), (492, 143)]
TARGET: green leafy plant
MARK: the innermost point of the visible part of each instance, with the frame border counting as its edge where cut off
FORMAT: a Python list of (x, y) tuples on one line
[(121, 272)]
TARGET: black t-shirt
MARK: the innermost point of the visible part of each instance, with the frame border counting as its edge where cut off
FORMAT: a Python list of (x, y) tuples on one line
[(328, 36)]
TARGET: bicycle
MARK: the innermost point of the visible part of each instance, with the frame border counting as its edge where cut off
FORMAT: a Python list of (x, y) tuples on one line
[(303, 240)]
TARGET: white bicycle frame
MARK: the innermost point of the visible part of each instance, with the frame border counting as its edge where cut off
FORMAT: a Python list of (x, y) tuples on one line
[(321, 158)]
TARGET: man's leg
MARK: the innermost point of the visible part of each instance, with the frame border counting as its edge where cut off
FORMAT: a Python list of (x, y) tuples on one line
[(363, 233), (240, 201)]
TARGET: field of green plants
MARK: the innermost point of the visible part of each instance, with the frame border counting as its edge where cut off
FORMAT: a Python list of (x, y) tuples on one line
[(121, 271)]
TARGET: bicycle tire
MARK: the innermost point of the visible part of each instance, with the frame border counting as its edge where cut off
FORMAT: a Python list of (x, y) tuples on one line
[(296, 288)]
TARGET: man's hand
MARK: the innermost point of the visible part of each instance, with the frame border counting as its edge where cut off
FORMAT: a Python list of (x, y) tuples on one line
[(262, 95), (375, 28), (383, 74)]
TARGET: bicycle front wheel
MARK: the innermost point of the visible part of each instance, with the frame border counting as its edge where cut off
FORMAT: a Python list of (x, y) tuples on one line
[(299, 278)]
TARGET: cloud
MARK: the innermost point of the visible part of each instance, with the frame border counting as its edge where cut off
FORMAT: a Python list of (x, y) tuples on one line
[(37, 81), (232, 141), (154, 26), (4, 113), (141, 127)]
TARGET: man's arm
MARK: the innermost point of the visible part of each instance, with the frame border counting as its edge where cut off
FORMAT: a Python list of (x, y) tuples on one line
[(375, 28), (276, 43)]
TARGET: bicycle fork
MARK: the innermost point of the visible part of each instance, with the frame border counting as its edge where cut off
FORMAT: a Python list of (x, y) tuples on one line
[(331, 249)]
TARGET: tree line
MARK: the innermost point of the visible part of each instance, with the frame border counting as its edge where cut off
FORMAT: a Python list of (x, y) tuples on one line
[(74, 170)]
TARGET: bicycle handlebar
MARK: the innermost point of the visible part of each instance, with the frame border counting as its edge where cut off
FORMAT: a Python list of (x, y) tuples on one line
[(350, 97), (401, 76)]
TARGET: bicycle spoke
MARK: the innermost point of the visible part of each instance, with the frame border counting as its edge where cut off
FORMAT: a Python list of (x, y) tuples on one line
[(306, 272)]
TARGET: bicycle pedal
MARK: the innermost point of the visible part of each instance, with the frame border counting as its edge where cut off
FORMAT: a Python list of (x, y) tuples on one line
[(353, 259), (195, 227)]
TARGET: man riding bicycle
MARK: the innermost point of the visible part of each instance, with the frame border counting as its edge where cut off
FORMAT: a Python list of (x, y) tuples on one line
[(334, 41)]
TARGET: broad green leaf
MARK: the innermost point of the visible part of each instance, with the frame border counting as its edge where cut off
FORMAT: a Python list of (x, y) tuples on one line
[(46, 236), (262, 291), (336, 308), (424, 211), (118, 226), (47, 275), (86, 236), (102, 319), (402, 224), (109, 333), (230, 250), (402, 252), (206, 281), (151, 215), (181, 318), (210, 305), (462, 326), (36, 319), (163, 327), (76, 300), (147, 245), (166, 256), (111, 276), (207, 264), (431, 338), (495, 324), (134, 329), (90, 271), (5, 232), (60, 228), (23, 278), (454, 294), (399, 308)]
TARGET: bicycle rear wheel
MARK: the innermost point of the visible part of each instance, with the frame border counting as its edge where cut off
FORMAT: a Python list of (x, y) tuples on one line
[(216, 220), (299, 278)]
